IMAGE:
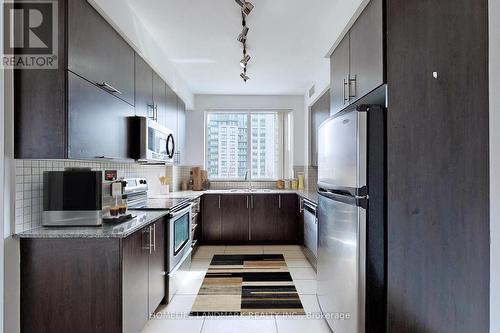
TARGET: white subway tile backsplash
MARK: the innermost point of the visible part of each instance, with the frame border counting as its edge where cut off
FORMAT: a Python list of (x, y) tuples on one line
[(29, 183)]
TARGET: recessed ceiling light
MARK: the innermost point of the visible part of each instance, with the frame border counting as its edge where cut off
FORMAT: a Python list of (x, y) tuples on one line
[(245, 60)]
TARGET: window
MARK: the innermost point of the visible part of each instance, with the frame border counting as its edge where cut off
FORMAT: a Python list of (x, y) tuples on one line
[(241, 141)]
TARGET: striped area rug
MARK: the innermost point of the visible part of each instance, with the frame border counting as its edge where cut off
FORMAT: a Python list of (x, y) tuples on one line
[(253, 284)]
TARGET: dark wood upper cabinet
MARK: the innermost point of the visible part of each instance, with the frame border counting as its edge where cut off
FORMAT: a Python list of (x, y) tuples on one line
[(357, 64), (144, 102), (181, 132), (320, 111), (263, 217), (170, 121), (160, 99), (366, 51), (90, 52), (97, 122), (98, 53), (58, 117), (235, 218), (339, 66), (211, 218), (135, 275), (40, 116)]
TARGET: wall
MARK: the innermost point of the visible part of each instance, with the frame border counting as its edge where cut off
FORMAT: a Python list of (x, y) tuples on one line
[(494, 37), (196, 120), (29, 183)]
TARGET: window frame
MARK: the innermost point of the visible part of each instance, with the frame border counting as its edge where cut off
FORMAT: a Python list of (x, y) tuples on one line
[(283, 121)]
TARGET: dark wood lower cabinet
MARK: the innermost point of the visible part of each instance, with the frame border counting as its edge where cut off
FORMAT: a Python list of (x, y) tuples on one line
[(235, 218), (288, 213), (250, 219), (135, 281), (157, 265), (263, 217), (211, 218), (94, 285), (71, 285)]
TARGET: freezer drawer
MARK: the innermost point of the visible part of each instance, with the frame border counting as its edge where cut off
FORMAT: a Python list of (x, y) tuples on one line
[(342, 148), (341, 264)]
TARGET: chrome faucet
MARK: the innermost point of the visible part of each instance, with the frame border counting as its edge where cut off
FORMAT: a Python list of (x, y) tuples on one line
[(248, 178)]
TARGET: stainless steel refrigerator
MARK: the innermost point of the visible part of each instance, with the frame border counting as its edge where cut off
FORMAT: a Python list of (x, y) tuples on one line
[(351, 247)]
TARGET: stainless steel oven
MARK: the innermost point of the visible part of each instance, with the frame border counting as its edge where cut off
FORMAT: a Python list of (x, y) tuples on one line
[(179, 247), (155, 143)]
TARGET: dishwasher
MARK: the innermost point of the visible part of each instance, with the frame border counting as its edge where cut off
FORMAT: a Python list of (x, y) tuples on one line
[(310, 231)]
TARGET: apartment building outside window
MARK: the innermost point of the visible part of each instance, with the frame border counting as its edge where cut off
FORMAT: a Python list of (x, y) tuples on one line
[(241, 141)]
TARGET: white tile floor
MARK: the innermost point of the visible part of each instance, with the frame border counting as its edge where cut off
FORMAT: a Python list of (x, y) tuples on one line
[(174, 317)]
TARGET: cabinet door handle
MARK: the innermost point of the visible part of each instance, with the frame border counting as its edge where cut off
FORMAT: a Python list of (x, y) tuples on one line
[(346, 98), (146, 245), (251, 201), (247, 202), (352, 82), (152, 108), (154, 237), (301, 205), (150, 241), (104, 157), (219, 201), (109, 88), (279, 201)]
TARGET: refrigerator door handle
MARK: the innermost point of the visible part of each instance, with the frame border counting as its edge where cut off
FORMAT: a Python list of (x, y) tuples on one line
[(348, 199)]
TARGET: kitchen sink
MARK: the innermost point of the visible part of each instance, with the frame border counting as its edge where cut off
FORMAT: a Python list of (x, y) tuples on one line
[(250, 191)]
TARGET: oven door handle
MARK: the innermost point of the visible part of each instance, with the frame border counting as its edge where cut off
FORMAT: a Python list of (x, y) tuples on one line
[(179, 213)]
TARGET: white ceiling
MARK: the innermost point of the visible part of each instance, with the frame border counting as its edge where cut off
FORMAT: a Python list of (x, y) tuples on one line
[(195, 41), (288, 41)]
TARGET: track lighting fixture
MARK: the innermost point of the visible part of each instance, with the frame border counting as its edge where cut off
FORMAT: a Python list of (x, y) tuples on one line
[(245, 60), (246, 6), (243, 35), (244, 77)]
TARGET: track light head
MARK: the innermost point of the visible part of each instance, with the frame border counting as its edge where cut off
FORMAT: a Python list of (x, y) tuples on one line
[(242, 37), (246, 7), (244, 77), (245, 60)]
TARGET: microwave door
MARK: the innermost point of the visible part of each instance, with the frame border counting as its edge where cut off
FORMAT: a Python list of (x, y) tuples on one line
[(342, 144), (162, 146)]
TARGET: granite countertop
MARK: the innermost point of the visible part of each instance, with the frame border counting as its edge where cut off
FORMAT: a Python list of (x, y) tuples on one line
[(143, 218), (120, 230), (309, 195)]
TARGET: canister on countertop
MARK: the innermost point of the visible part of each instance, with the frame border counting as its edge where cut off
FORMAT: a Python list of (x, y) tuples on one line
[(301, 181), (295, 184)]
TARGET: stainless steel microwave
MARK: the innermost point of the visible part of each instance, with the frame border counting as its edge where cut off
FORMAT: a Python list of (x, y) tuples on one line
[(155, 143)]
